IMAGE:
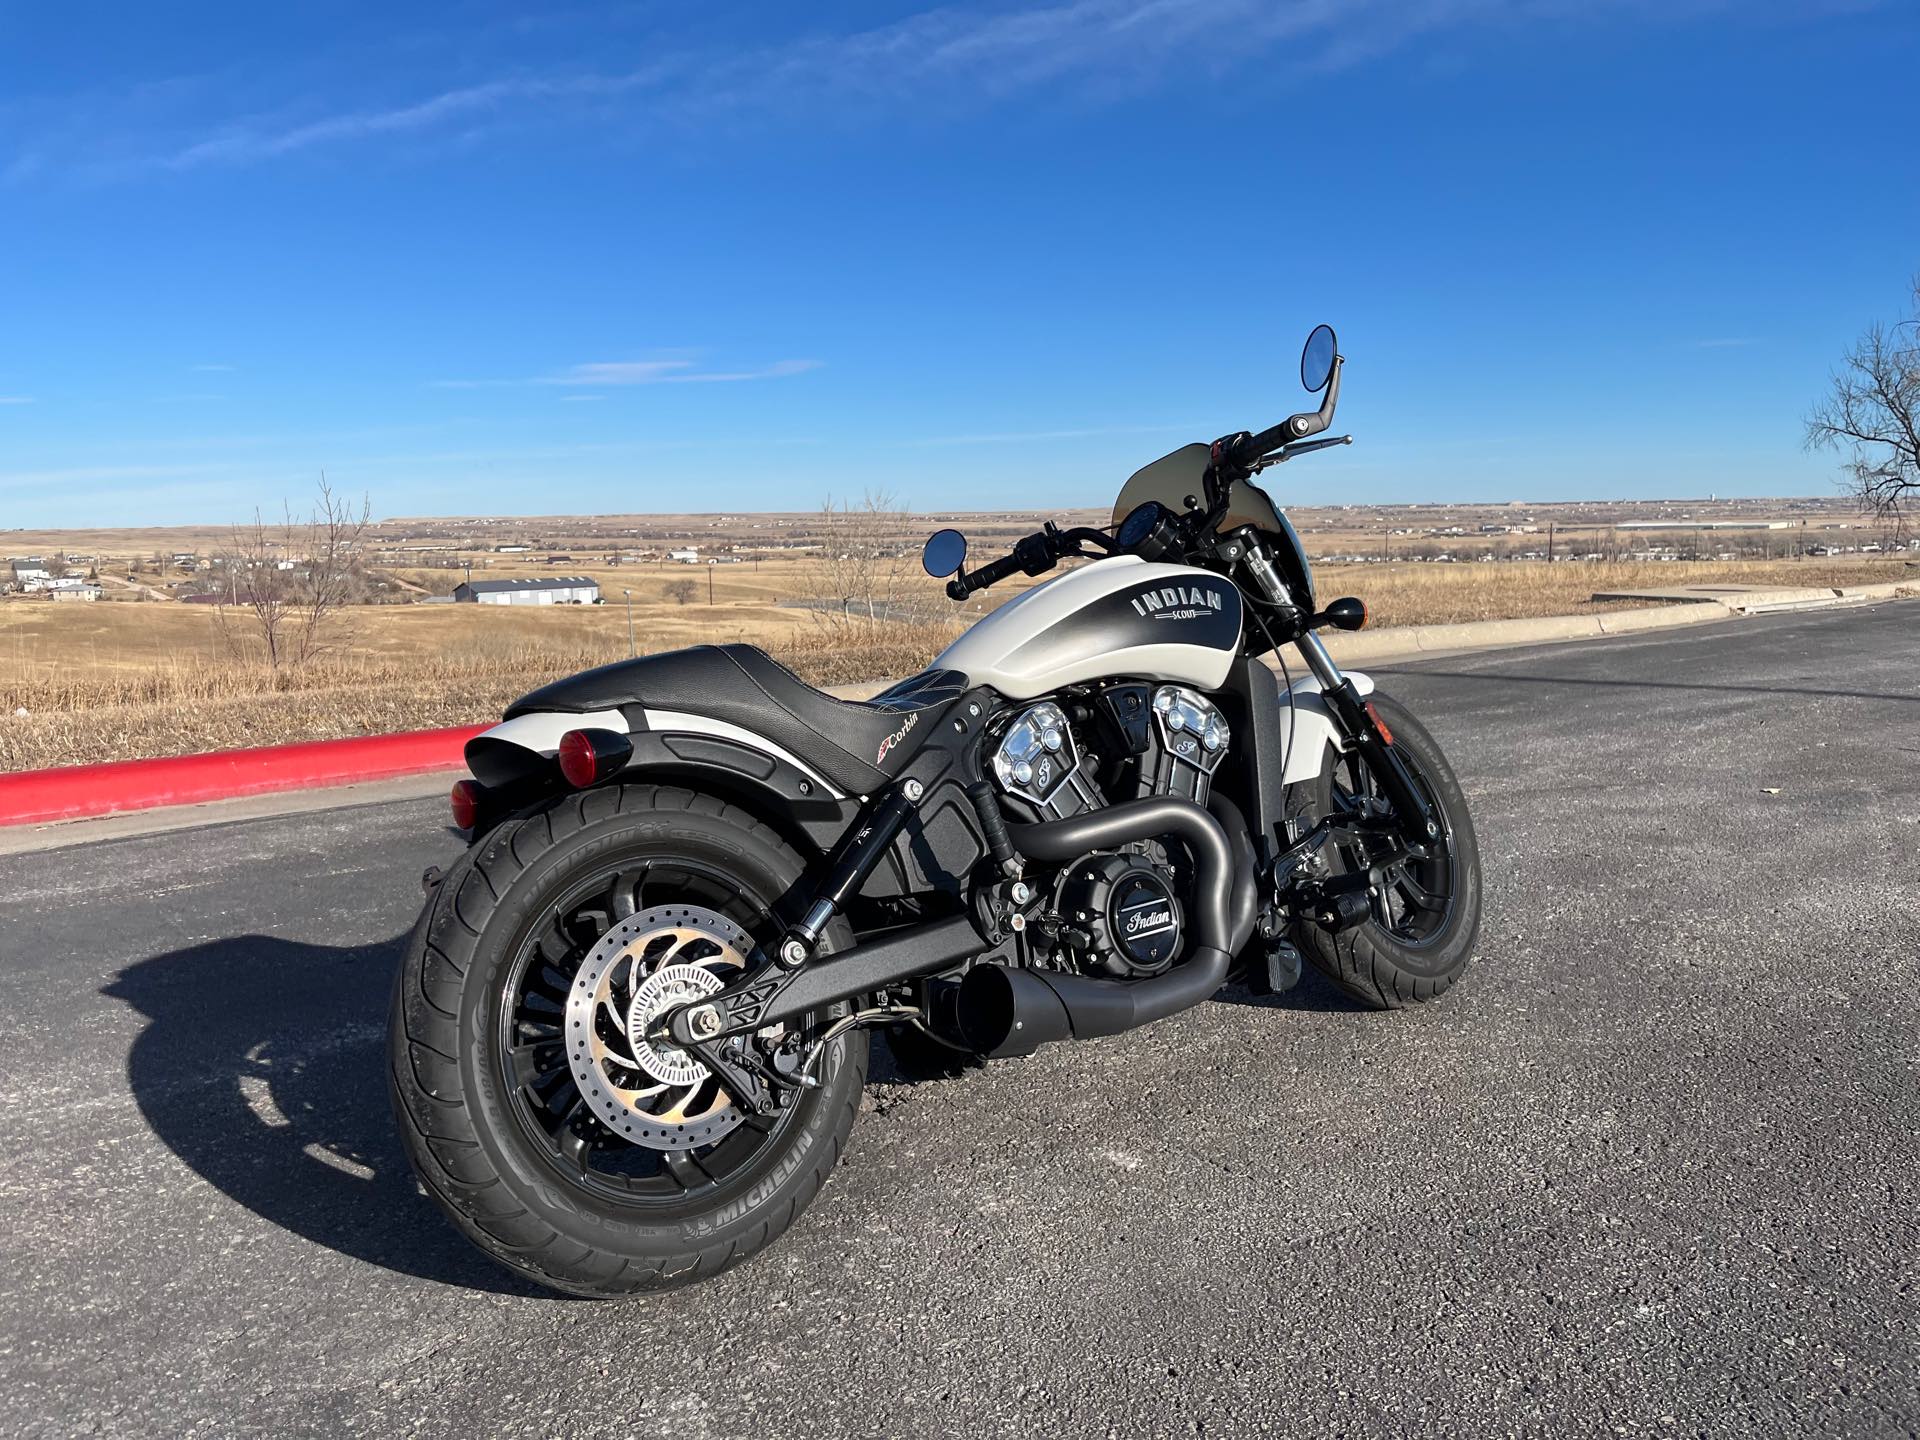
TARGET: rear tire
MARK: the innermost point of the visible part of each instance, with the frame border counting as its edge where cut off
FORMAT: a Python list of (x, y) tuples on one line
[(536, 1203), (1382, 967)]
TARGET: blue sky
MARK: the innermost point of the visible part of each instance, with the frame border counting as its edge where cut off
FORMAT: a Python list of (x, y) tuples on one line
[(486, 258)]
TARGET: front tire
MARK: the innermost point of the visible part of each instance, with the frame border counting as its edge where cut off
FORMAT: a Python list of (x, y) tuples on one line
[(489, 1111), (1406, 951)]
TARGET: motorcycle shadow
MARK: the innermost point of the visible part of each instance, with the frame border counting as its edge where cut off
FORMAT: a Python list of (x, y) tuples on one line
[(1311, 992), (263, 1067)]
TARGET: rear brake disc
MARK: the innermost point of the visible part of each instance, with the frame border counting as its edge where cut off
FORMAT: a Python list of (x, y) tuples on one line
[(647, 1090)]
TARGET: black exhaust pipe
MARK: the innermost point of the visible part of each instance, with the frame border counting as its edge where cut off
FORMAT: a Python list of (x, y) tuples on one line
[(1007, 1011)]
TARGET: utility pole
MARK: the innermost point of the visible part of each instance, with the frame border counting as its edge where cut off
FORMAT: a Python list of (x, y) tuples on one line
[(1549, 542), (630, 646), (709, 582)]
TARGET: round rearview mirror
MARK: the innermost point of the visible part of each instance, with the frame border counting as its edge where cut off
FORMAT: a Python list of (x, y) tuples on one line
[(1316, 361), (945, 553)]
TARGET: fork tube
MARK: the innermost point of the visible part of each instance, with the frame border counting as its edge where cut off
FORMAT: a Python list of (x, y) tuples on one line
[(1320, 661), (1362, 727)]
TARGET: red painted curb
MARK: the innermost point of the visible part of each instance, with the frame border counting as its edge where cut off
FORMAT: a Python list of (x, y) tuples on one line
[(76, 792)]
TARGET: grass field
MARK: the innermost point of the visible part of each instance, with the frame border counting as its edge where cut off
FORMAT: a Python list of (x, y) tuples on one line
[(118, 680)]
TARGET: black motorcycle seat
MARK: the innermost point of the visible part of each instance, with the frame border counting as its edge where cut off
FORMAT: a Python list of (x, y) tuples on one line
[(857, 745)]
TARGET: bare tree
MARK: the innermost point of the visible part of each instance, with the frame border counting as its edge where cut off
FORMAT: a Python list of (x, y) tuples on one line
[(680, 591), (867, 561), (292, 578), (1872, 417), (333, 577)]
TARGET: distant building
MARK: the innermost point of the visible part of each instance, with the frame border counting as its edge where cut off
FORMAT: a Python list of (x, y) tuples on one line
[(71, 590), (554, 590), (688, 556), (26, 572)]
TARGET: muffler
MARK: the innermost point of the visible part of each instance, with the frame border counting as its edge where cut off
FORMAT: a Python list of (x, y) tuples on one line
[(1005, 1011)]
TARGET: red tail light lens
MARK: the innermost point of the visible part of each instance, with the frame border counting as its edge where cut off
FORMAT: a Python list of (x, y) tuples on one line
[(579, 765), (466, 798), (1374, 715), (589, 756)]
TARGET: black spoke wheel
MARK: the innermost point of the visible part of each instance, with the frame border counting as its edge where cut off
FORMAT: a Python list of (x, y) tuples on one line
[(607, 907), (1413, 896), (1423, 908), (590, 1149)]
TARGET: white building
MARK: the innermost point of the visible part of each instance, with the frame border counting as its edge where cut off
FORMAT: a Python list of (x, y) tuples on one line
[(688, 556), (546, 590)]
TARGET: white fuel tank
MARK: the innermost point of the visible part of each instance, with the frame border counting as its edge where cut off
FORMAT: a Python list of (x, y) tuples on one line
[(1118, 616)]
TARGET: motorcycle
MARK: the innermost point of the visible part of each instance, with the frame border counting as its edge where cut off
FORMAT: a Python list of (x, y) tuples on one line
[(630, 1032)]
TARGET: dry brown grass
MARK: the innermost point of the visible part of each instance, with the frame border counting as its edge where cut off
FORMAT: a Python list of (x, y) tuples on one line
[(178, 703)]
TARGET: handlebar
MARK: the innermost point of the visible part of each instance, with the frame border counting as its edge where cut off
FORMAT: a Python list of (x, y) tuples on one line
[(1034, 554), (1243, 452), (992, 573)]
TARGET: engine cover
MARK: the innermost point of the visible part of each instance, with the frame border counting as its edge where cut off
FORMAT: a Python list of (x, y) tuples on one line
[(1037, 762), (1120, 915), (1193, 738)]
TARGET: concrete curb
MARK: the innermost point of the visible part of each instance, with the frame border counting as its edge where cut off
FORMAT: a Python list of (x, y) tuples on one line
[(1409, 640)]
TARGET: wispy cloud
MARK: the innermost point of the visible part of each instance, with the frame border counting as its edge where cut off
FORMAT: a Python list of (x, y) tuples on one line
[(942, 58), (1020, 437), (88, 474), (16, 399), (640, 372)]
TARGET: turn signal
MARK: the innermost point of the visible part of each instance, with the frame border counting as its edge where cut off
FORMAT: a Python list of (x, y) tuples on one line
[(1379, 724), (1345, 614), (589, 756), (466, 798)]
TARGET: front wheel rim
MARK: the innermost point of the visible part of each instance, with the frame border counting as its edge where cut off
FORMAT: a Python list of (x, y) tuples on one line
[(1416, 897)]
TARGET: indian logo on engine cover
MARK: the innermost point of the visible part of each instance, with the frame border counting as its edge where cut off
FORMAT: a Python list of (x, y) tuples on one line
[(1178, 602)]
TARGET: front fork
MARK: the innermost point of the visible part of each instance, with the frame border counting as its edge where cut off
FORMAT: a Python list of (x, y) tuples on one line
[(1373, 742)]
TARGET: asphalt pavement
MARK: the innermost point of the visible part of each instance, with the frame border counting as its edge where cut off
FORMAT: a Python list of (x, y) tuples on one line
[(1650, 1169)]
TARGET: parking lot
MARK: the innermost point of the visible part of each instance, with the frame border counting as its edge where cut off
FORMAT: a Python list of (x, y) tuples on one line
[(1651, 1169)]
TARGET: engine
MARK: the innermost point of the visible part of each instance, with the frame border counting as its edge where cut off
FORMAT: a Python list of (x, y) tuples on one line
[(1111, 913)]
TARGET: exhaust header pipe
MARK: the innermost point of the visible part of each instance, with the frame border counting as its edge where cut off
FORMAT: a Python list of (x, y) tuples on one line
[(1005, 1011)]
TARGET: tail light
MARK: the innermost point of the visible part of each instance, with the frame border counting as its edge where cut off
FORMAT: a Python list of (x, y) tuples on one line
[(466, 798), (589, 756)]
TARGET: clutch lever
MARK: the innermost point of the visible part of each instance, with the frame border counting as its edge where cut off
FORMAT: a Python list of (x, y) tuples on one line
[(1299, 447)]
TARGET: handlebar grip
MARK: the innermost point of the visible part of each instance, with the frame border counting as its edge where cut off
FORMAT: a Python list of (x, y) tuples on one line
[(1254, 446), (991, 573)]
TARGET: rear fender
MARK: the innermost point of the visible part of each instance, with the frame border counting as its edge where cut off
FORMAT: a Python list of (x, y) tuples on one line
[(1313, 738), (515, 762)]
